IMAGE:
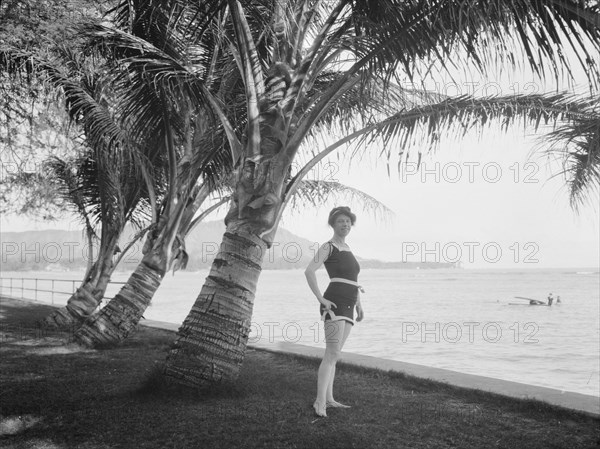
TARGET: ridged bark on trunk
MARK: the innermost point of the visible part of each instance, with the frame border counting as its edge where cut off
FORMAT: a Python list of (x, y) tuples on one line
[(79, 307), (211, 342), (88, 296), (121, 315)]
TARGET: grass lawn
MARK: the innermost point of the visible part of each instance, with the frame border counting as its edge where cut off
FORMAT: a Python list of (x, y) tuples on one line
[(55, 395)]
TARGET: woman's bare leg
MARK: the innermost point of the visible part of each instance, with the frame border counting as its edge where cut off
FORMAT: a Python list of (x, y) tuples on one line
[(329, 395), (334, 336)]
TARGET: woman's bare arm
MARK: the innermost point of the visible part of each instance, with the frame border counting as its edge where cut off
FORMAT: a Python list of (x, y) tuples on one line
[(310, 273), (359, 309)]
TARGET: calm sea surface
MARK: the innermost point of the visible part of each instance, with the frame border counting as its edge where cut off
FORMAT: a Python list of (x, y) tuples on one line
[(454, 319)]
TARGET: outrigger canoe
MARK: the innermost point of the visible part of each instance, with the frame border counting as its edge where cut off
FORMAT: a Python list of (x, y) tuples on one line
[(532, 302)]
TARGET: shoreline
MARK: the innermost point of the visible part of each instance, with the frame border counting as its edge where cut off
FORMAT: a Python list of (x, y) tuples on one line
[(508, 268), (575, 401)]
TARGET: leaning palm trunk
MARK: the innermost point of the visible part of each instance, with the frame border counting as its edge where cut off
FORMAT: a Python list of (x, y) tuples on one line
[(121, 315), (211, 342), (79, 306), (88, 296)]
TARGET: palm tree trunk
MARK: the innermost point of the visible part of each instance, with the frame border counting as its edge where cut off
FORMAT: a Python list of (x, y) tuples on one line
[(79, 307), (88, 296), (211, 342), (121, 315)]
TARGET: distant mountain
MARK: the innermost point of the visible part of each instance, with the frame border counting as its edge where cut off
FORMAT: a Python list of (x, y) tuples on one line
[(374, 263), (288, 251), (54, 250)]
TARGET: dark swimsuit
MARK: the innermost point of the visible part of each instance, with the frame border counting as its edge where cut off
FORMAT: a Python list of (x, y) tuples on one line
[(341, 264)]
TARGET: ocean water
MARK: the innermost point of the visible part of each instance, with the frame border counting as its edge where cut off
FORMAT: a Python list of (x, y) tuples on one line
[(460, 320)]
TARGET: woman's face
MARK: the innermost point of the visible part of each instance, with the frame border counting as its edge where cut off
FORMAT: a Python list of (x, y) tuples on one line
[(342, 225)]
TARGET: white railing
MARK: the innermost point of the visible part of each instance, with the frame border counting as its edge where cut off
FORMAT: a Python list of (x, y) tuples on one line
[(42, 288)]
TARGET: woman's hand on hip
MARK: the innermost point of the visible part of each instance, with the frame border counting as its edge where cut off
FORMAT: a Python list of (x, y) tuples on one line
[(359, 313), (328, 304)]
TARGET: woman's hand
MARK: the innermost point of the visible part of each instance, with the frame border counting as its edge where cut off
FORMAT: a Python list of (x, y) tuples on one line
[(328, 304), (359, 313)]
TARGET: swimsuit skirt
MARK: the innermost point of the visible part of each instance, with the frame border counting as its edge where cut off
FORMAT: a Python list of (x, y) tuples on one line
[(344, 296)]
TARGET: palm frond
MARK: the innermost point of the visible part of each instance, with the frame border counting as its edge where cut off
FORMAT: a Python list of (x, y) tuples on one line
[(411, 33), (212, 163), (364, 102), (484, 32), (577, 145), (69, 186), (155, 19), (421, 127), (314, 192), (108, 189), (252, 76), (148, 76)]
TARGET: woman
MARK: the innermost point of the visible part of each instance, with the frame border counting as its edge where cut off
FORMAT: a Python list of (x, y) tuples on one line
[(337, 303)]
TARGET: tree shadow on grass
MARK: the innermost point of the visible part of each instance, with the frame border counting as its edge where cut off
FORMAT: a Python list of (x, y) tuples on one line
[(16, 310), (22, 318), (156, 386)]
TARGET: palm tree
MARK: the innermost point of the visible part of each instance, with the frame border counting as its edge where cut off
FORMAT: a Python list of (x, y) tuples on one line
[(302, 61), (176, 118), (140, 46), (134, 122), (104, 185), (105, 197), (84, 300)]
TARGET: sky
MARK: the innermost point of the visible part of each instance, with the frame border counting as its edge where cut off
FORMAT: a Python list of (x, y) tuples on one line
[(484, 199)]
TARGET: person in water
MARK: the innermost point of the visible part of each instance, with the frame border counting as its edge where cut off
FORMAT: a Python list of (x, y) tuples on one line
[(338, 302), (550, 299)]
